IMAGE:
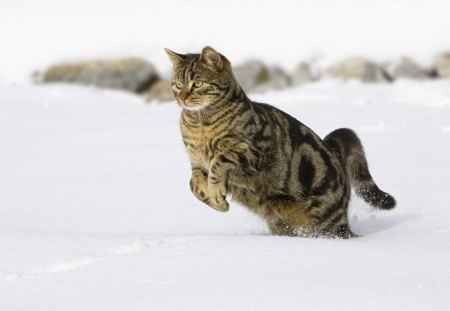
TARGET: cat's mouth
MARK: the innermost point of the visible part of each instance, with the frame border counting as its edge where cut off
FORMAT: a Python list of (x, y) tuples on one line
[(193, 107)]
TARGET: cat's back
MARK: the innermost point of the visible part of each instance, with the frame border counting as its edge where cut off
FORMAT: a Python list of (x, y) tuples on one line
[(286, 127)]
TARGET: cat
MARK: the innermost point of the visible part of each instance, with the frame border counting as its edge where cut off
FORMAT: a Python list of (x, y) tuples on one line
[(266, 159)]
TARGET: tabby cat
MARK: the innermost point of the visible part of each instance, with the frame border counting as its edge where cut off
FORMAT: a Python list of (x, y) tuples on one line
[(266, 159)]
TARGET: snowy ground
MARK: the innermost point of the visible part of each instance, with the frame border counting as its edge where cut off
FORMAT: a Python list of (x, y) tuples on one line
[(96, 212)]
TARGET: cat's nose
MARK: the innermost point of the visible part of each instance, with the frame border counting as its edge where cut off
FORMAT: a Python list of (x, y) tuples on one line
[(182, 99)]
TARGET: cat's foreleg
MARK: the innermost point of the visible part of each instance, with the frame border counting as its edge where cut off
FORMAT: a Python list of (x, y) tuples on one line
[(217, 186), (199, 187), (229, 162), (199, 184)]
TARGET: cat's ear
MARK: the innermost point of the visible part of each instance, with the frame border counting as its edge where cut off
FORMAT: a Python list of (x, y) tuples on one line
[(175, 58), (211, 57)]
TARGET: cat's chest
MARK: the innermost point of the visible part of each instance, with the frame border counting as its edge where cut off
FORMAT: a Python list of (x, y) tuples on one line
[(199, 145)]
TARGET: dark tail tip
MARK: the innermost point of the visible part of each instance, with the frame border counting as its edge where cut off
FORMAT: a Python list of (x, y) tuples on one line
[(377, 198)]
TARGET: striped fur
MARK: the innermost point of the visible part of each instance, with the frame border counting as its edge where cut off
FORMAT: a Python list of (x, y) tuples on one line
[(267, 160)]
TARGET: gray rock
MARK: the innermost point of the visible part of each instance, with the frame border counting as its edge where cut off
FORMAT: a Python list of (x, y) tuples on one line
[(443, 66), (357, 68), (255, 77), (302, 74), (159, 91), (251, 74), (277, 79), (404, 68), (131, 74)]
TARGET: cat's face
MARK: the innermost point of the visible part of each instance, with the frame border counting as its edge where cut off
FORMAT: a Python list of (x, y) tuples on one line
[(200, 80)]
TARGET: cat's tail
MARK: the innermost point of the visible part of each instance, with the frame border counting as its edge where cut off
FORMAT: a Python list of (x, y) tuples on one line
[(347, 144)]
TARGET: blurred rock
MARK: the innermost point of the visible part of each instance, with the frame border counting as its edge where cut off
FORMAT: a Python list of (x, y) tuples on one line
[(443, 66), (404, 68), (131, 74), (254, 76), (251, 74), (277, 79), (159, 91), (357, 68), (302, 74)]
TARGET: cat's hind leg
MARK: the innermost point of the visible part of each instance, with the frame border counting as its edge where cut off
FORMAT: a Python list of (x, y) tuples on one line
[(280, 227), (292, 219)]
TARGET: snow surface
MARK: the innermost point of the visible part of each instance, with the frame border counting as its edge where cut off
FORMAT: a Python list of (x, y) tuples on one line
[(96, 212)]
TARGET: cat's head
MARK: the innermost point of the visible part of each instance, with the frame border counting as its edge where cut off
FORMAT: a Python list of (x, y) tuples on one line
[(200, 80)]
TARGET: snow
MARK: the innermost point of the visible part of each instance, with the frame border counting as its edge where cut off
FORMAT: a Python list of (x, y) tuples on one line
[(96, 212)]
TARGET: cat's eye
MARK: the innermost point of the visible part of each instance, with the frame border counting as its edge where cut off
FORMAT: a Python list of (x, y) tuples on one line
[(198, 83), (178, 85)]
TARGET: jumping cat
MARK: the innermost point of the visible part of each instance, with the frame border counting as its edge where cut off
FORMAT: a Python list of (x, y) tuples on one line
[(266, 159)]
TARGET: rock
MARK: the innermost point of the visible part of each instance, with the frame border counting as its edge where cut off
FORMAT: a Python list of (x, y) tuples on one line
[(357, 68), (159, 91), (443, 66), (251, 74), (404, 68), (255, 77), (131, 74), (277, 79), (302, 74)]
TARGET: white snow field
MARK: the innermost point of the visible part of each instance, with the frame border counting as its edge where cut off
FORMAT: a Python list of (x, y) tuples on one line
[(96, 211)]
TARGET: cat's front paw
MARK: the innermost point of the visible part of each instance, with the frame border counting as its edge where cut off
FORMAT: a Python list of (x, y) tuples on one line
[(217, 201), (221, 206)]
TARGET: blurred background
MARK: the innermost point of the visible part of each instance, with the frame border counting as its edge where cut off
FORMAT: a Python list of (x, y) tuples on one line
[(38, 33)]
